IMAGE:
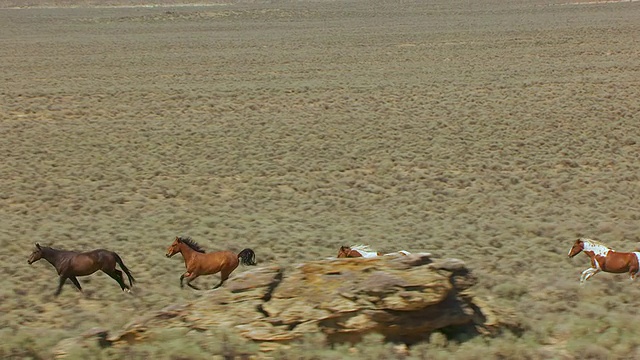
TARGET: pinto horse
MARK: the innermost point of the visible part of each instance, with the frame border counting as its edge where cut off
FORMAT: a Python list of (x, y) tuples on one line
[(70, 264), (363, 251), (605, 259), (199, 263)]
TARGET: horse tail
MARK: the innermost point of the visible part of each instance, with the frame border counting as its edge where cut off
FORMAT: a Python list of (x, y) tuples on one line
[(247, 257), (124, 268)]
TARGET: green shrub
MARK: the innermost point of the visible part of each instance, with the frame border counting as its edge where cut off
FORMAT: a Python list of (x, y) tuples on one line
[(510, 290)]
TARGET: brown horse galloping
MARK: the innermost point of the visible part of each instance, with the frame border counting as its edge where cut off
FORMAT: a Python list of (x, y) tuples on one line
[(70, 264), (605, 259), (199, 263)]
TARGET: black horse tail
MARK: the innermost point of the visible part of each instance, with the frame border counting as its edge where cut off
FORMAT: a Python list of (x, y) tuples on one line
[(125, 269), (247, 257)]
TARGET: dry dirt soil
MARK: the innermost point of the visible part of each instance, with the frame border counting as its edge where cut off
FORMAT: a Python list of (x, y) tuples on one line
[(491, 131)]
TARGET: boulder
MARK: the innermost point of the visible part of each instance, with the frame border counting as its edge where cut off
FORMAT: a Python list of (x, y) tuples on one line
[(403, 298)]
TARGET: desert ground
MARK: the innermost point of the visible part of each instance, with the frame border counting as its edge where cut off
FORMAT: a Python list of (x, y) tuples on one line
[(490, 131)]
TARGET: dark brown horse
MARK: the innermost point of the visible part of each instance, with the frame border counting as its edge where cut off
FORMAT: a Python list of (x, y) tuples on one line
[(199, 263), (605, 259), (70, 264)]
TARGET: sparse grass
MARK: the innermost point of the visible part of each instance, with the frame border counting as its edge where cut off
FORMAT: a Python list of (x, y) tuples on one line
[(491, 132)]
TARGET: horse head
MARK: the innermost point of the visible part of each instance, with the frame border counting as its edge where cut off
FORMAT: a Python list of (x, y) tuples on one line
[(35, 255), (577, 247), (174, 248), (344, 252)]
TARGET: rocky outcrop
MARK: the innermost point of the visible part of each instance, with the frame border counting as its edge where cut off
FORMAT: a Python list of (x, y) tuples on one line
[(404, 298)]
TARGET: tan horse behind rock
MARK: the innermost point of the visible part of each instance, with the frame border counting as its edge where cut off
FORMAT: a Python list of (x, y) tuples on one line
[(364, 251)]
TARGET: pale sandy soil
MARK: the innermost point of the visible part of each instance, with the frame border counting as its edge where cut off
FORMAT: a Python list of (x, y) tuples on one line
[(495, 132)]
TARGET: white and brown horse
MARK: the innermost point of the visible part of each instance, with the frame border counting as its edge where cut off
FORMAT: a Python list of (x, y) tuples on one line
[(605, 259), (364, 251)]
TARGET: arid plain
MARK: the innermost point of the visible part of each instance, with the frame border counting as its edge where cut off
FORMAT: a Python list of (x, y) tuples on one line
[(490, 131)]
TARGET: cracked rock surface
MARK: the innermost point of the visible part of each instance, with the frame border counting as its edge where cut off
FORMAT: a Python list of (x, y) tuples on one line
[(404, 298)]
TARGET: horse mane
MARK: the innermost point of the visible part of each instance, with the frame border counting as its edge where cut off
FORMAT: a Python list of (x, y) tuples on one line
[(361, 248), (595, 242), (192, 244)]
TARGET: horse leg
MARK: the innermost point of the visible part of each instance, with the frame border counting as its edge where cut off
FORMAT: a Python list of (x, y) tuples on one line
[(121, 281), (62, 281), (223, 277), (219, 284), (591, 274), (117, 276), (190, 278), (592, 271), (75, 282), (586, 274)]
